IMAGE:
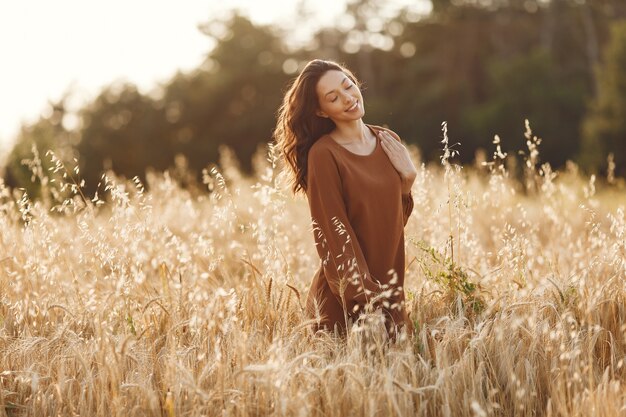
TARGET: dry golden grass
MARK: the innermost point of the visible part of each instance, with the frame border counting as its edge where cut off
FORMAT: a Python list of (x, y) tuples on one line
[(166, 303)]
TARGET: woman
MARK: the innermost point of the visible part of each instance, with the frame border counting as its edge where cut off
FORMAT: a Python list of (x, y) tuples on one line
[(357, 179)]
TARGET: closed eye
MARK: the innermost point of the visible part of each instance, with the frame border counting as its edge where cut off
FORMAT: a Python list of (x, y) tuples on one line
[(345, 88)]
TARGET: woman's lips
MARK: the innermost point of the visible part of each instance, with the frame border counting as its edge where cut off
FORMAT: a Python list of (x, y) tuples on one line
[(353, 107)]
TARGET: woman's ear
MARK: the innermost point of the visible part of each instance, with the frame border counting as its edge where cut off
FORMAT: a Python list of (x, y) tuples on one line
[(321, 113)]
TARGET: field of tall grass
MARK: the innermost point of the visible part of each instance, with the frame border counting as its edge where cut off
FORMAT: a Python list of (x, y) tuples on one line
[(167, 301)]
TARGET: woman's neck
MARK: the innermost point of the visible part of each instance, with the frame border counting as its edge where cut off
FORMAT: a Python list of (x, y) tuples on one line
[(351, 132)]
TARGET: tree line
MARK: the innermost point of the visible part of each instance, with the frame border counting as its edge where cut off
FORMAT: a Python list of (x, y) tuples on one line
[(484, 67)]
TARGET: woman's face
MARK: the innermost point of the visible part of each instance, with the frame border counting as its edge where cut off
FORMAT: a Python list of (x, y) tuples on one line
[(338, 97)]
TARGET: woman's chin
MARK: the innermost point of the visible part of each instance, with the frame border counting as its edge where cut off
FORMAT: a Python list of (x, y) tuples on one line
[(357, 115)]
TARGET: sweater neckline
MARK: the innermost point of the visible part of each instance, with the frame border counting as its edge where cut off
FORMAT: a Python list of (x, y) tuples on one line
[(356, 154)]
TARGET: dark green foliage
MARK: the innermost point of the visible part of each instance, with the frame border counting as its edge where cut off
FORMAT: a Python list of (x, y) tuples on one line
[(530, 87), (452, 278), (28, 165), (124, 131), (604, 128)]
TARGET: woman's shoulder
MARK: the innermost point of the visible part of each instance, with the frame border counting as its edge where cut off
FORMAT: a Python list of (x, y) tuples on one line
[(322, 146), (322, 158), (378, 128)]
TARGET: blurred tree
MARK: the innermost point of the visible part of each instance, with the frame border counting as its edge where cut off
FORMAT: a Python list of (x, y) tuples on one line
[(441, 6), (531, 86), (489, 72), (123, 131), (47, 133), (604, 128), (425, 85), (232, 100)]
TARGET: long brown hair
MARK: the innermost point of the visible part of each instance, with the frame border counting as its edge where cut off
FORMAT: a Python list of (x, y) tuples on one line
[(298, 126)]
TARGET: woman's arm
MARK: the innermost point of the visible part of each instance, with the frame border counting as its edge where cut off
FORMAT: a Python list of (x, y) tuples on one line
[(407, 207), (399, 157)]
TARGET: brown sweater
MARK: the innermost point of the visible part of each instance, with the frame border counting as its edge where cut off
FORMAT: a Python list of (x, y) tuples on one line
[(358, 215)]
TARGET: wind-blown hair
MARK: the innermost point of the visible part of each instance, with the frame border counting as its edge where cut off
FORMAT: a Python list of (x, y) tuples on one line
[(298, 126)]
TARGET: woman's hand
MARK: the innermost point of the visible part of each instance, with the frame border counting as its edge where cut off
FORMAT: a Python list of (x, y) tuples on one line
[(400, 158)]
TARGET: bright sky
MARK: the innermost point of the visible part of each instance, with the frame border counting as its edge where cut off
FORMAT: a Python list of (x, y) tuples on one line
[(48, 47)]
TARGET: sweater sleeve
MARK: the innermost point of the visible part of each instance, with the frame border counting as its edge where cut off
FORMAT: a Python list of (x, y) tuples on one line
[(407, 207), (344, 265)]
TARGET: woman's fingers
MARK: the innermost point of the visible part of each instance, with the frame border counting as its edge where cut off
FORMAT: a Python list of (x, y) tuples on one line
[(386, 145), (393, 153), (391, 141), (387, 142), (398, 154)]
